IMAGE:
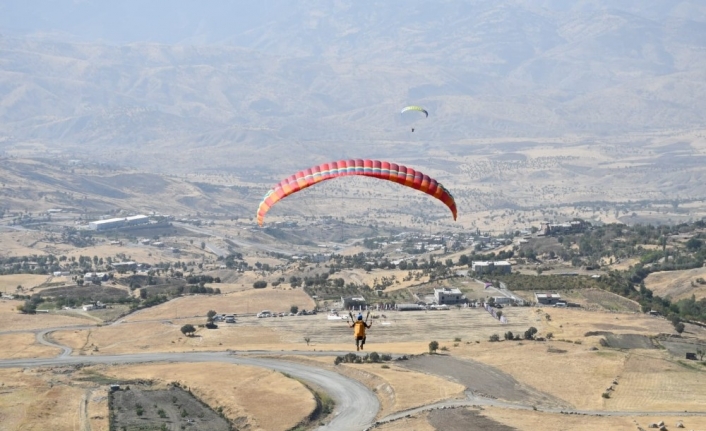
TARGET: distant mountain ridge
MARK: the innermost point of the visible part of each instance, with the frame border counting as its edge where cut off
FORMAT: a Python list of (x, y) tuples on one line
[(325, 80)]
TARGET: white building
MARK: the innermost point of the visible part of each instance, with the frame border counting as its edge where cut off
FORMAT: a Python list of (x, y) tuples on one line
[(547, 298), (448, 295), (114, 223), (484, 267)]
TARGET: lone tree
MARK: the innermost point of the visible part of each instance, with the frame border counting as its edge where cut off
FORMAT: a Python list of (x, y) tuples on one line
[(210, 315), (679, 327), (188, 330), (261, 284), (701, 352), (433, 347), (307, 339), (293, 309), (529, 334)]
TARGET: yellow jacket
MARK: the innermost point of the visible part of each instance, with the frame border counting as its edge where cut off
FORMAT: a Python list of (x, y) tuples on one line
[(359, 328)]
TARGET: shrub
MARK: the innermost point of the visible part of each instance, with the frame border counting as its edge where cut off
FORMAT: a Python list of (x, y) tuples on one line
[(457, 339), (509, 335), (433, 346), (606, 395), (444, 349), (494, 338), (260, 284), (529, 334)]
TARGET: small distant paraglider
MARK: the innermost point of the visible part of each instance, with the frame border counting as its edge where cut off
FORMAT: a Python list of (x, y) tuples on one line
[(414, 108)]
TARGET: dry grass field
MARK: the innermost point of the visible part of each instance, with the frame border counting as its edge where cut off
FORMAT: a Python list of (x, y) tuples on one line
[(239, 302), (24, 345), (9, 283), (12, 320), (578, 376), (574, 324), (148, 331), (247, 394), (142, 254), (677, 284), (408, 389), (21, 243), (650, 380), (32, 399), (530, 420), (360, 276)]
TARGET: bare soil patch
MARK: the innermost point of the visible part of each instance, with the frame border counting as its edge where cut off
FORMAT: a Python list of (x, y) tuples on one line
[(139, 408), (679, 347), (481, 379), (624, 341), (464, 420)]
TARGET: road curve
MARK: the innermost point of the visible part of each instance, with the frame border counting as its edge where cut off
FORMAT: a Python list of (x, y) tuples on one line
[(356, 406)]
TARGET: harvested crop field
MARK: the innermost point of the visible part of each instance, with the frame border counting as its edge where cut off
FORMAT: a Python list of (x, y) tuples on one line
[(139, 408), (652, 381)]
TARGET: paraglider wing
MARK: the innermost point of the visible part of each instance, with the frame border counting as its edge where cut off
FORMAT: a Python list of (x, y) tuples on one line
[(369, 168), (415, 108)]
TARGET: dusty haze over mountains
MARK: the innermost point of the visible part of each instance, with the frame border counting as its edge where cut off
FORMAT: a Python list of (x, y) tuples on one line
[(522, 94)]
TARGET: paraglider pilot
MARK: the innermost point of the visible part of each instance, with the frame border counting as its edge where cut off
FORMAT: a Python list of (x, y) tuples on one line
[(359, 327)]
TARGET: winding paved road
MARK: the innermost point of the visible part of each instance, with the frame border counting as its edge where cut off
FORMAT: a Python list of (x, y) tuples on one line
[(356, 406)]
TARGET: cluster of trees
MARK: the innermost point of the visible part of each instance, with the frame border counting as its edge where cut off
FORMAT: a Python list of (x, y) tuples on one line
[(352, 358), (196, 279), (529, 334), (468, 259)]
